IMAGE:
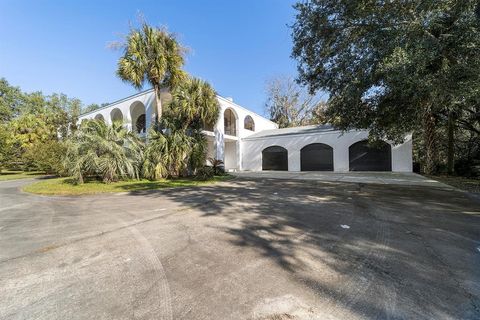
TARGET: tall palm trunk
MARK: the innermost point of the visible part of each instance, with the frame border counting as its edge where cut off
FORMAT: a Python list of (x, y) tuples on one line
[(159, 106), (429, 139)]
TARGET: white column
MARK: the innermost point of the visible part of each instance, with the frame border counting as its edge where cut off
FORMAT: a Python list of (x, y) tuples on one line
[(239, 155), (340, 158), (293, 160), (219, 145)]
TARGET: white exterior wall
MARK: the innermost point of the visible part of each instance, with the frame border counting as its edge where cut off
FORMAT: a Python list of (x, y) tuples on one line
[(242, 153), (147, 98), (340, 142), (219, 152), (233, 162)]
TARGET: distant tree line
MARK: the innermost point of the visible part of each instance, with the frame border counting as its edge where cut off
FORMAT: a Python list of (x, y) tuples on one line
[(32, 124), (290, 104)]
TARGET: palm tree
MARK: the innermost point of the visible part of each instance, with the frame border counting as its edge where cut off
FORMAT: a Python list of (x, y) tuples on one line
[(194, 105), (109, 152), (167, 155), (152, 55)]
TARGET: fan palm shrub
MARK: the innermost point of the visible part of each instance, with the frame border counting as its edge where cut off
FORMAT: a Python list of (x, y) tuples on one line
[(194, 105), (218, 166), (107, 152), (180, 148), (167, 155)]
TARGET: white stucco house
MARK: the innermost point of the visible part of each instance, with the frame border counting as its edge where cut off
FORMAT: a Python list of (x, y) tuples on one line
[(246, 141)]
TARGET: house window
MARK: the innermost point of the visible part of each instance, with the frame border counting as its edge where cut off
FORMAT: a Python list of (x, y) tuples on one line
[(249, 124), (230, 123)]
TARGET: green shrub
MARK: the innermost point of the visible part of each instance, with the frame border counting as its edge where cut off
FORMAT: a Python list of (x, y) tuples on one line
[(218, 166), (205, 173), (46, 156), (107, 152)]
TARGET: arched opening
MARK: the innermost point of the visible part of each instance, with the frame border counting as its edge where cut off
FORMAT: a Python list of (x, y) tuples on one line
[(249, 124), (99, 117), (275, 158), (137, 114), (141, 124), (230, 122), (366, 157), (116, 115), (316, 157)]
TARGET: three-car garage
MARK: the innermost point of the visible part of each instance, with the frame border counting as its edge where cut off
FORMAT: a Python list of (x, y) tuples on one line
[(321, 148)]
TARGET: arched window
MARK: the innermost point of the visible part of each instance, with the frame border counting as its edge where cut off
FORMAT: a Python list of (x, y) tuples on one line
[(249, 124), (316, 157), (275, 158), (116, 115), (99, 117), (230, 122), (366, 157)]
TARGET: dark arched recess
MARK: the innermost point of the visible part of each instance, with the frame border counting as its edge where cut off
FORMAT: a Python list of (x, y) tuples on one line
[(365, 157), (316, 157), (141, 123), (275, 158)]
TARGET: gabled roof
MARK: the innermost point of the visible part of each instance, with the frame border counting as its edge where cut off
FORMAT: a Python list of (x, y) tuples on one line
[(292, 131)]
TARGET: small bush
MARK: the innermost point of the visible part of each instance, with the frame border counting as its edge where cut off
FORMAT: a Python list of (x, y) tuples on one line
[(205, 173), (218, 166)]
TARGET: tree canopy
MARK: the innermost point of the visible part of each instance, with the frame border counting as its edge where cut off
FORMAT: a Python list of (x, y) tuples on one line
[(391, 66), (151, 55)]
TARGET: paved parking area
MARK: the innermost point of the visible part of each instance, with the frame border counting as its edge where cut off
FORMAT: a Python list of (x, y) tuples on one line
[(244, 249), (391, 178)]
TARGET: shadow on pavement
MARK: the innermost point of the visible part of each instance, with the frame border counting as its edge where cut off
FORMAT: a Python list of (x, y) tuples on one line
[(378, 251)]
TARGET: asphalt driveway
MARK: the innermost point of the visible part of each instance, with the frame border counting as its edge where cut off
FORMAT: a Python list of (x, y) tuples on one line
[(244, 249)]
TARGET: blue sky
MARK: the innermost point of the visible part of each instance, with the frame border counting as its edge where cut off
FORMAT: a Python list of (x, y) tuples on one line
[(61, 46)]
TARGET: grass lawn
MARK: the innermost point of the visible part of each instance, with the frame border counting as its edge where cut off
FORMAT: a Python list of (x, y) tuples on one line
[(13, 175), (467, 184), (65, 186)]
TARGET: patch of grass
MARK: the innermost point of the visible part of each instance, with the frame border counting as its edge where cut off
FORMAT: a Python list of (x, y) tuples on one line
[(13, 175), (467, 184), (66, 186)]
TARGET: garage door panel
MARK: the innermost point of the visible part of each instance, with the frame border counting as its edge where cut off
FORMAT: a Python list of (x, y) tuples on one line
[(316, 157), (365, 157), (275, 158)]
